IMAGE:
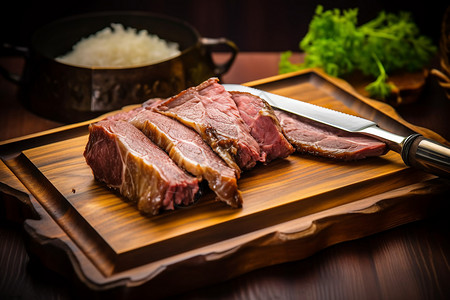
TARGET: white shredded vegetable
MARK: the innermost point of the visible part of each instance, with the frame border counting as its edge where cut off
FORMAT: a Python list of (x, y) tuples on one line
[(120, 47)]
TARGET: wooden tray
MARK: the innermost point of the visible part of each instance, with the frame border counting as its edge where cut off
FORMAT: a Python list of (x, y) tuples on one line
[(292, 207)]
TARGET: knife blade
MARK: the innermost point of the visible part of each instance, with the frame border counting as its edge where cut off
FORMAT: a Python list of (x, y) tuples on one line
[(415, 150)]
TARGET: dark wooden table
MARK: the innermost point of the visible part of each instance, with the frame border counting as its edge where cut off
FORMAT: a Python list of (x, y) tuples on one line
[(408, 262)]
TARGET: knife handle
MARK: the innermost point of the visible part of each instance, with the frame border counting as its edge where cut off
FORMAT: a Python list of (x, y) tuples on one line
[(425, 154)]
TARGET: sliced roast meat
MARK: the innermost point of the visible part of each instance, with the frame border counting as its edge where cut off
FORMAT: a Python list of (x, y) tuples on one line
[(264, 126), (209, 109), (190, 152), (321, 140), (125, 159)]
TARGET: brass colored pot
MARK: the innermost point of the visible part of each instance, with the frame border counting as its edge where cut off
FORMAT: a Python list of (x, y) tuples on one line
[(68, 93)]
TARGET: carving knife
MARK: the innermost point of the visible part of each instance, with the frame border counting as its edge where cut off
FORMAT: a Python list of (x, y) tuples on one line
[(415, 150)]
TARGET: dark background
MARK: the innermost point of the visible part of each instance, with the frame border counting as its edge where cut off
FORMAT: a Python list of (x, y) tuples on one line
[(253, 25)]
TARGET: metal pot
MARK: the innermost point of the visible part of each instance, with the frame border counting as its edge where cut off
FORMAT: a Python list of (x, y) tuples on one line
[(68, 93)]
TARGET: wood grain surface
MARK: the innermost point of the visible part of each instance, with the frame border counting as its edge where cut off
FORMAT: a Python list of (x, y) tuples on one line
[(292, 207)]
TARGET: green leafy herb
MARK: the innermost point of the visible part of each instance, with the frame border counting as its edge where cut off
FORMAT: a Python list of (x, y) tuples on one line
[(380, 87), (339, 46)]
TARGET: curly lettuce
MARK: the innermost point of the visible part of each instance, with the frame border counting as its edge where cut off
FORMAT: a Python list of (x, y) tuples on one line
[(335, 43)]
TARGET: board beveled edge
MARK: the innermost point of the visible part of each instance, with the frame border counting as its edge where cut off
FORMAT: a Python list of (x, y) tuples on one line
[(293, 240), (63, 213)]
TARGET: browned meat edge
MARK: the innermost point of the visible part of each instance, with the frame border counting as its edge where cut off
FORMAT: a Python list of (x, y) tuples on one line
[(125, 159)]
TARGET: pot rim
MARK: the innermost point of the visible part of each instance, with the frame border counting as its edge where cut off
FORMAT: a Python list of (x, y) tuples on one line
[(70, 18)]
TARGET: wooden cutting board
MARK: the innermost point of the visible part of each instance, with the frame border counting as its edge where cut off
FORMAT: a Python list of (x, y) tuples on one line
[(292, 207)]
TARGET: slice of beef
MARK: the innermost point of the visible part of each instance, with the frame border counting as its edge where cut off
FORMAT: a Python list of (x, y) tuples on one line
[(190, 152), (125, 159), (264, 126), (209, 109), (321, 140)]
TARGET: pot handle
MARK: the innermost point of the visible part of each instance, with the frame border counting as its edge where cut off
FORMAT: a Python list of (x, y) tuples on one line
[(220, 69), (7, 49)]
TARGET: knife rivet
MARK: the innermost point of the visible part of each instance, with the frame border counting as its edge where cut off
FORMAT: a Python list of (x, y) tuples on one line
[(407, 146)]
